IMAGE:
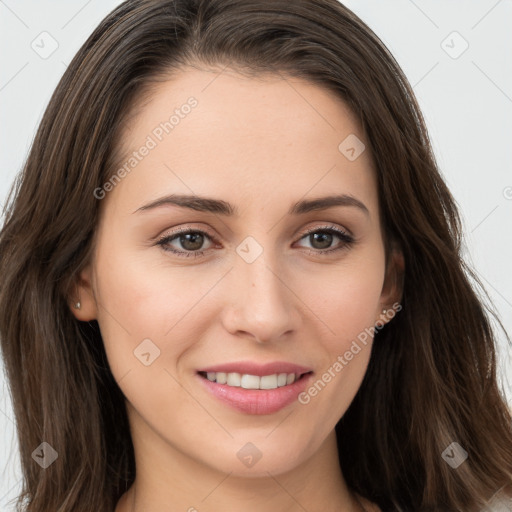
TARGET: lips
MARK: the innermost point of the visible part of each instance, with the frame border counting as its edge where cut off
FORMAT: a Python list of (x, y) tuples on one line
[(248, 381), (252, 368), (255, 388)]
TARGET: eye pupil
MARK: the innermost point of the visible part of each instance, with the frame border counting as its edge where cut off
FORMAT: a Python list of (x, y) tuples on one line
[(324, 238), (197, 240)]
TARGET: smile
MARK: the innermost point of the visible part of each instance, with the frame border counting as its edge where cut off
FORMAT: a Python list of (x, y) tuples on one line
[(255, 389), (247, 381)]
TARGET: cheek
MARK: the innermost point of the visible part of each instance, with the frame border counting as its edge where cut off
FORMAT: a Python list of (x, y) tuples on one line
[(348, 302), (140, 301), (348, 306)]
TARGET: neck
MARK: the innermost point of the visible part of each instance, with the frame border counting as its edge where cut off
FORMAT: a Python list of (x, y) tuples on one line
[(167, 476)]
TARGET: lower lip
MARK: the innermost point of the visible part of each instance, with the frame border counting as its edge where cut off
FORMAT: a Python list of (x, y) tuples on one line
[(257, 401)]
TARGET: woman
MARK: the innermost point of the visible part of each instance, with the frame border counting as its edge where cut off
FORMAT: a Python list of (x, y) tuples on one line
[(170, 340)]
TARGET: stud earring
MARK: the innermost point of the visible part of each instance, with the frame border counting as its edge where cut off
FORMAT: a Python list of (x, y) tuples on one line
[(78, 305), (384, 311)]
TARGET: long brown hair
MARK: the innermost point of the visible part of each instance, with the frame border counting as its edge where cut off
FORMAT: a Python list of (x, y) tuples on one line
[(431, 379)]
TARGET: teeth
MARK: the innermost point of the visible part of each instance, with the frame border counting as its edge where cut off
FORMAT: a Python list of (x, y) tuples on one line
[(250, 382), (233, 380), (268, 382), (247, 381)]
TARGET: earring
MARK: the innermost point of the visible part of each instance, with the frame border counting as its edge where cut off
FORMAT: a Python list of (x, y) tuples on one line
[(384, 311), (78, 305)]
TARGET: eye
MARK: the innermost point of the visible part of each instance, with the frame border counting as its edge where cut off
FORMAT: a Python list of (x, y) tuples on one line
[(190, 240), (321, 239)]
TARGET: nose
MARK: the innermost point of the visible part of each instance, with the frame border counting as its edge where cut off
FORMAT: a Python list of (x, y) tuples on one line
[(260, 303)]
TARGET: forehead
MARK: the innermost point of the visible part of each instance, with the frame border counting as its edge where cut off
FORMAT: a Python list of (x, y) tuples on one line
[(222, 133)]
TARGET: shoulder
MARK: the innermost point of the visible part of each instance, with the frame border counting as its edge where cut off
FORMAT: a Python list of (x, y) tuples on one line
[(501, 502), (368, 505)]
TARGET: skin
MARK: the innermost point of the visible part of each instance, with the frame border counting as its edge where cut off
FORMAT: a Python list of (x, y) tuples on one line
[(261, 144)]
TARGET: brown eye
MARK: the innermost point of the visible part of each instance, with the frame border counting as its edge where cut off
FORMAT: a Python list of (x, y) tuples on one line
[(191, 241), (186, 243), (321, 239)]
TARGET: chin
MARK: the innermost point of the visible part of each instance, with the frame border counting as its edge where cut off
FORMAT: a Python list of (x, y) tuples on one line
[(258, 458)]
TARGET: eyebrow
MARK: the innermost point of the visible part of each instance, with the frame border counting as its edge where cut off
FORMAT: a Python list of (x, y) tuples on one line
[(218, 206)]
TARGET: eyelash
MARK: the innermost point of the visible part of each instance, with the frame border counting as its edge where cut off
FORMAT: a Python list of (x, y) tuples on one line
[(342, 235)]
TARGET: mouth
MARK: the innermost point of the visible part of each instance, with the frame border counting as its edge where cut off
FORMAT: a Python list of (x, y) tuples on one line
[(248, 381), (255, 389)]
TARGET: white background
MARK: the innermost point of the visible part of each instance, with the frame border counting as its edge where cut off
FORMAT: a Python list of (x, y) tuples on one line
[(467, 103)]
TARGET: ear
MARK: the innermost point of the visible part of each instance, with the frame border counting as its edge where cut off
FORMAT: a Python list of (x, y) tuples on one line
[(392, 288), (82, 301)]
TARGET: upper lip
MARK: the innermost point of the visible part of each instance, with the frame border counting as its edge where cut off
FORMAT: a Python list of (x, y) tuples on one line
[(252, 368)]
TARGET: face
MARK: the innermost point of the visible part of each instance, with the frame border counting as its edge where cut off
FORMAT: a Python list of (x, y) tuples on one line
[(221, 317)]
